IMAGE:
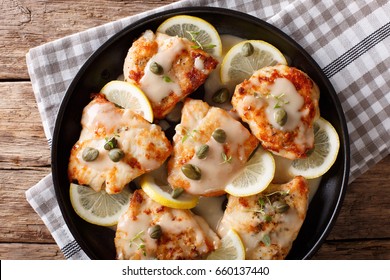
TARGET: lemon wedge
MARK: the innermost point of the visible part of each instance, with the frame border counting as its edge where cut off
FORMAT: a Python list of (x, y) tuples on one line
[(161, 193), (246, 57), (128, 96), (256, 175), (99, 208), (231, 248), (324, 154), (195, 29)]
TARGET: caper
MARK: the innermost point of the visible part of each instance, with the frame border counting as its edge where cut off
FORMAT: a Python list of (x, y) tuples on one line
[(90, 154), (191, 171), (221, 95), (177, 192), (280, 116), (111, 143), (201, 153), (116, 154), (155, 232), (156, 68), (280, 207), (247, 49), (219, 135)]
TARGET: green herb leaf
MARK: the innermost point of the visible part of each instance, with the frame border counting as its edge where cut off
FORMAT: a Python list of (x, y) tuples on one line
[(167, 79), (226, 158), (268, 218), (266, 240)]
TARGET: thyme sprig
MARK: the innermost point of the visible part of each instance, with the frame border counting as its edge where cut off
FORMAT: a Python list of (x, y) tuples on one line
[(188, 134), (139, 241), (193, 35), (280, 100), (226, 158)]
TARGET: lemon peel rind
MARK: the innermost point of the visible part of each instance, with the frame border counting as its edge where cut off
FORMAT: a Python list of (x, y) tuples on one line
[(88, 216), (267, 161), (220, 253), (147, 184), (236, 49), (329, 160), (200, 23), (116, 85)]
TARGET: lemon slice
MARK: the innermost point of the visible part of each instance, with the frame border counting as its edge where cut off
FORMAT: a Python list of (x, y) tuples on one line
[(231, 248), (240, 62), (161, 193), (194, 29), (324, 154), (99, 208), (256, 175), (128, 96)]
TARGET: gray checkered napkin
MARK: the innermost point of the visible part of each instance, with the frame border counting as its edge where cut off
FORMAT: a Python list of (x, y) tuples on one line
[(348, 39)]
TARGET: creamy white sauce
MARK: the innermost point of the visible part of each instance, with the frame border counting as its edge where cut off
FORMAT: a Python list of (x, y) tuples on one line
[(199, 64), (283, 94), (216, 173), (156, 87), (213, 82), (282, 176), (210, 208)]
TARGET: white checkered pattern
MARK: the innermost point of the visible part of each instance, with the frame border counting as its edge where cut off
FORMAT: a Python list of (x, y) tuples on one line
[(350, 40)]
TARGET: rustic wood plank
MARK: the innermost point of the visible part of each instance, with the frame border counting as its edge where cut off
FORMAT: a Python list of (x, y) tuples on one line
[(355, 250), (22, 251), (19, 222), (29, 23), (23, 143), (366, 209)]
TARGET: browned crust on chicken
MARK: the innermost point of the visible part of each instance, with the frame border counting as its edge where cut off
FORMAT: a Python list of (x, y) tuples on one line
[(145, 147), (268, 222), (183, 234), (279, 141), (182, 71)]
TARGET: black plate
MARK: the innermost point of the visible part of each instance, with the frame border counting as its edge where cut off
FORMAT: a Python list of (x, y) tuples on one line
[(106, 64)]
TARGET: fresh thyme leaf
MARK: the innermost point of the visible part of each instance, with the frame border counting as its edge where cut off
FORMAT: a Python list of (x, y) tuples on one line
[(209, 46), (137, 236), (268, 218), (266, 240), (198, 45), (226, 158), (261, 202), (167, 79), (188, 134)]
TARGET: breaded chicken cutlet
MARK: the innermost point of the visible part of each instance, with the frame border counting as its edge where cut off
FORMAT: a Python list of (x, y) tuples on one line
[(167, 68), (149, 230), (280, 104), (115, 146), (209, 148), (268, 222)]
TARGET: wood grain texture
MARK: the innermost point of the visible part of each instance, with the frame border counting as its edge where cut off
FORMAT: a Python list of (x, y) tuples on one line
[(30, 23), (23, 143), (22, 251)]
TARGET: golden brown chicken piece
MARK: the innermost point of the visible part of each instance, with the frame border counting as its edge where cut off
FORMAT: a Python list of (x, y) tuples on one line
[(182, 234), (280, 104), (144, 147), (268, 222), (203, 125), (167, 69)]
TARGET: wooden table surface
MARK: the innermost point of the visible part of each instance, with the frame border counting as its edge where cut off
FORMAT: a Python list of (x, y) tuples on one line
[(362, 230)]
